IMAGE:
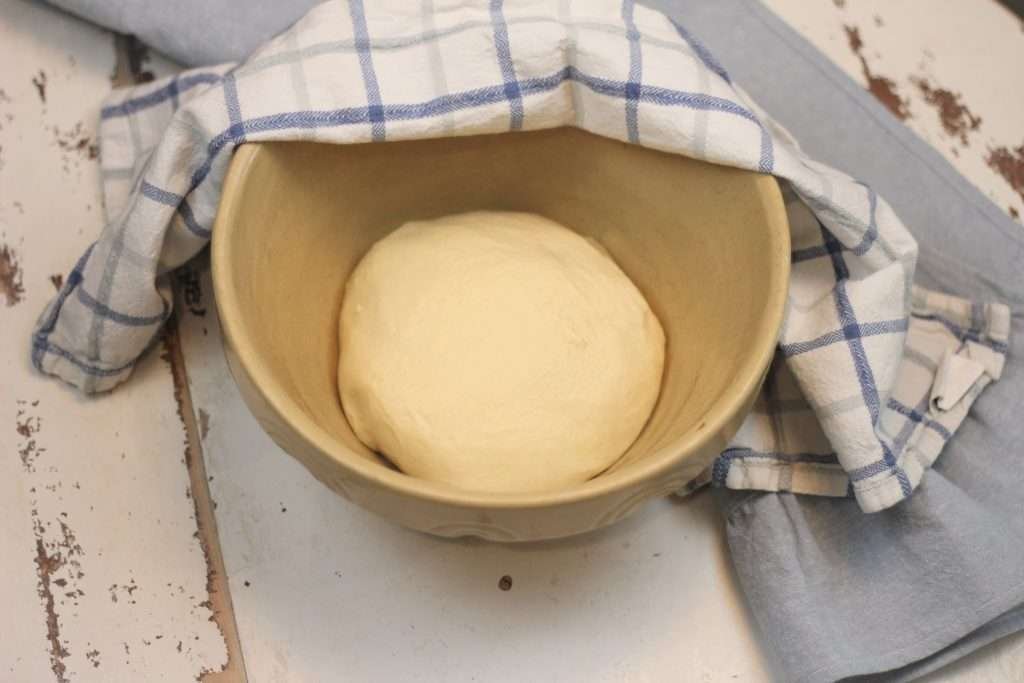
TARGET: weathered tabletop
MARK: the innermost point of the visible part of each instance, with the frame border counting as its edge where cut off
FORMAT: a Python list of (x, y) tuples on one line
[(113, 552)]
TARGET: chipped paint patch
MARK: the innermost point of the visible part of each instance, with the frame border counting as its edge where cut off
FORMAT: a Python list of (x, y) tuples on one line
[(27, 426), (884, 89), (957, 119), (55, 553), (53, 556), (122, 590), (75, 145), (46, 566), (1009, 163), (10, 276)]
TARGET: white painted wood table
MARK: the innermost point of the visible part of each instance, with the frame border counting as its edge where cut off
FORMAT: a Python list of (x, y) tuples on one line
[(113, 559)]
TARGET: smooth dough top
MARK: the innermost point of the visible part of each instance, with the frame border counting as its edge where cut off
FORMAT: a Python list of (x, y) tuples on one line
[(496, 352)]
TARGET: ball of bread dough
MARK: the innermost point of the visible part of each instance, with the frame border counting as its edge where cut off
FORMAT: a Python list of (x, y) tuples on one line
[(496, 352)]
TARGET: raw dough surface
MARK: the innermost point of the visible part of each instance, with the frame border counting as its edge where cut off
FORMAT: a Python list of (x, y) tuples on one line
[(496, 352)]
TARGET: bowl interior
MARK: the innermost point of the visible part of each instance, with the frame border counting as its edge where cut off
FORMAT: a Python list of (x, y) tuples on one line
[(707, 245)]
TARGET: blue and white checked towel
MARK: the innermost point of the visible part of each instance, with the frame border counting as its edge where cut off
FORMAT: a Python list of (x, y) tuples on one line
[(872, 375)]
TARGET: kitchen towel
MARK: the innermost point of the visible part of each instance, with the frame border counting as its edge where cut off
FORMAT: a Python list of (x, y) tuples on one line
[(873, 374)]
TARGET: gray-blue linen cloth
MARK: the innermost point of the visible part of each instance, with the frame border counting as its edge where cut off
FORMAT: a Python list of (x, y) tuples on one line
[(840, 594), (836, 593)]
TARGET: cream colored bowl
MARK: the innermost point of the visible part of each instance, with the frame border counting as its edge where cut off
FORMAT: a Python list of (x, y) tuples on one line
[(707, 245)]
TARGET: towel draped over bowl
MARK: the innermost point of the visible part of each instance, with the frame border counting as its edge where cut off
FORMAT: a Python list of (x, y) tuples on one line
[(872, 375)]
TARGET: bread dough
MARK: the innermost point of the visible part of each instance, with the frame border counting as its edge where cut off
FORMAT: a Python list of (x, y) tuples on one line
[(496, 352)]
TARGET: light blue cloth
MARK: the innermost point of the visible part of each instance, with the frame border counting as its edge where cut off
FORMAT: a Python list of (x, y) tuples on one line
[(837, 593), (950, 580)]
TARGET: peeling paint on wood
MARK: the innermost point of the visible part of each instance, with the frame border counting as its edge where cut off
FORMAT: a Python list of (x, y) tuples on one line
[(218, 597), (955, 64), (46, 565), (1009, 163), (957, 119), (93, 496)]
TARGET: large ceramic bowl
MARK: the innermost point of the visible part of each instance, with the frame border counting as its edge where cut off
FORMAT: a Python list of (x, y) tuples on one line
[(707, 245)]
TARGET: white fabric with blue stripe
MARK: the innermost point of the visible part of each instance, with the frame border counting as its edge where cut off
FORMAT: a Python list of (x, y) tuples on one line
[(849, 408)]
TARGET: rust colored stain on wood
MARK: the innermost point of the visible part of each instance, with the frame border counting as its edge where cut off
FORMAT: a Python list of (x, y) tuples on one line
[(884, 89), (1009, 163), (10, 276), (957, 119)]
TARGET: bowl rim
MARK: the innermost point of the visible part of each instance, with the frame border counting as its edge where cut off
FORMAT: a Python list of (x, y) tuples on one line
[(716, 420)]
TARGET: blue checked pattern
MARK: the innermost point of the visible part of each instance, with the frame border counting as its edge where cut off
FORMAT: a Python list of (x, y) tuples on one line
[(872, 375)]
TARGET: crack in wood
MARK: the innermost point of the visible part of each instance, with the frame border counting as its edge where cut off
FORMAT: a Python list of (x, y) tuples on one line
[(218, 594)]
